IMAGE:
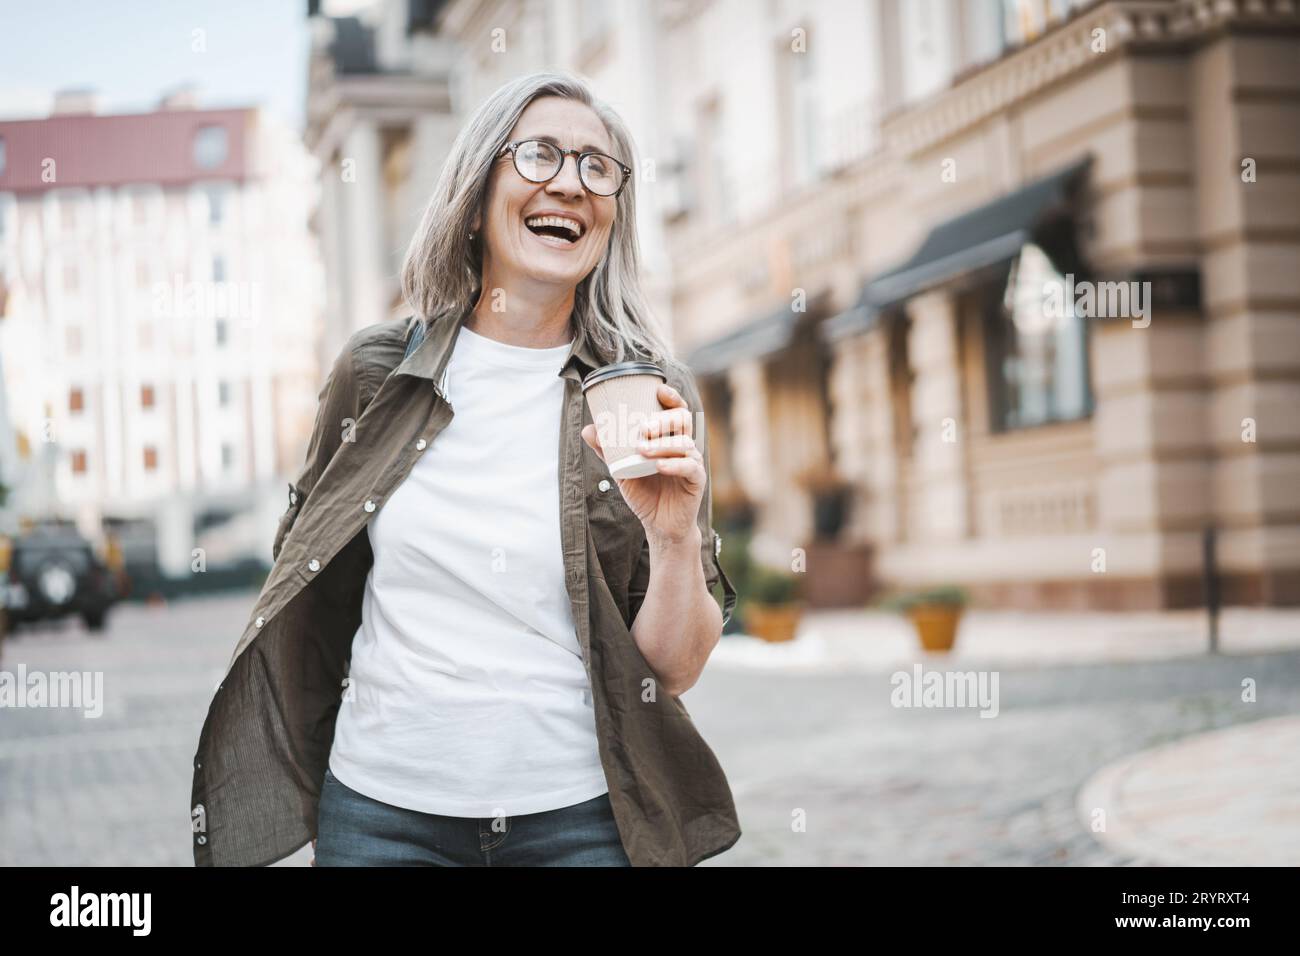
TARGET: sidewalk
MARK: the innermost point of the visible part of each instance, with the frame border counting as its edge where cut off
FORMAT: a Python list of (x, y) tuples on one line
[(1214, 798), (1226, 798), (861, 640)]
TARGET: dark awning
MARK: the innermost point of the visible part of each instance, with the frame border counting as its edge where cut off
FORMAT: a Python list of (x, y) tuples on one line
[(763, 336), (988, 235)]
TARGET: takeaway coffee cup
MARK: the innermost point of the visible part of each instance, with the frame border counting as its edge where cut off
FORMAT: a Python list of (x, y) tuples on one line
[(622, 397)]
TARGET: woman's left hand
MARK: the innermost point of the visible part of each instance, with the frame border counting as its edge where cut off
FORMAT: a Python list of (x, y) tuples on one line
[(668, 502)]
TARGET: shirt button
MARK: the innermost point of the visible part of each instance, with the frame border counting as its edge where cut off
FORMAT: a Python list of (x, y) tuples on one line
[(369, 505), (419, 445), (313, 565), (293, 498), (260, 621), (202, 839), (604, 484)]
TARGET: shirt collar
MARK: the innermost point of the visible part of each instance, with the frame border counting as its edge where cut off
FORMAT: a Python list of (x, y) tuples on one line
[(429, 360)]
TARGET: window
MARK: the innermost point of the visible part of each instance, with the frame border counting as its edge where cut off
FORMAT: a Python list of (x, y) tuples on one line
[(146, 334), (211, 146), (146, 396), (593, 30), (74, 339), (1027, 19), (150, 458), (802, 120), (76, 401), (139, 211), (78, 462), (223, 394), (216, 206), (222, 332), (593, 20), (926, 38), (712, 182), (1038, 355), (141, 274), (71, 278), (983, 36), (67, 214), (2, 154), (227, 456), (218, 269)]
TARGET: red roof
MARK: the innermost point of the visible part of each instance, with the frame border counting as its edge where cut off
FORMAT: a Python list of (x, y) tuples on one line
[(91, 150)]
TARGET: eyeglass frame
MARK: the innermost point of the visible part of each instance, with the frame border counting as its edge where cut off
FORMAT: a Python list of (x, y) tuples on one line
[(513, 148)]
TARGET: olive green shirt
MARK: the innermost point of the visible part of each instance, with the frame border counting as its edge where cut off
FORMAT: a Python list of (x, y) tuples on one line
[(266, 741)]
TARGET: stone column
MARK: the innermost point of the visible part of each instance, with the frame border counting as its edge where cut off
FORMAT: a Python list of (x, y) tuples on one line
[(862, 433), (939, 507), (363, 233), (1153, 487), (1247, 149), (752, 455)]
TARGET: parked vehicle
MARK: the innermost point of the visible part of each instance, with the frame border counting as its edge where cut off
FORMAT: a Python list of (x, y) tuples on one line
[(53, 573)]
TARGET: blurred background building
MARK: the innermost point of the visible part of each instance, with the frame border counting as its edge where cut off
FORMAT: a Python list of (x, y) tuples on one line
[(380, 124), (160, 308), (854, 215)]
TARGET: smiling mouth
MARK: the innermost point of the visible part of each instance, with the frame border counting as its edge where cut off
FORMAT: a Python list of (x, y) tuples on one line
[(555, 228)]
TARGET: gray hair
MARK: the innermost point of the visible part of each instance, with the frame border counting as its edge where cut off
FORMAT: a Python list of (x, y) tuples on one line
[(443, 271)]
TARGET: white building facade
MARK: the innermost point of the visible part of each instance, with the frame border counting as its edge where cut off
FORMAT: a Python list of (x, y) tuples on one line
[(162, 302)]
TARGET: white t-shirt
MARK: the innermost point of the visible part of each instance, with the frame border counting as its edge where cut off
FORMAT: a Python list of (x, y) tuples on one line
[(468, 696)]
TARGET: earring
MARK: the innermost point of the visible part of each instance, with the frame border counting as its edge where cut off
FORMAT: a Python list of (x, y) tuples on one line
[(471, 237)]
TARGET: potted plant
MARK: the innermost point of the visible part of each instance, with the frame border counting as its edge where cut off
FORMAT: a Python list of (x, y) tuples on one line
[(772, 609), (935, 613)]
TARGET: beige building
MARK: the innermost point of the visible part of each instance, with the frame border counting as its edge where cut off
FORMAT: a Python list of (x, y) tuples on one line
[(1046, 329), (992, 292)]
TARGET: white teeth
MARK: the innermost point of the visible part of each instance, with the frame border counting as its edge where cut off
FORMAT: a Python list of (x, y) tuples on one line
[(574, 227)]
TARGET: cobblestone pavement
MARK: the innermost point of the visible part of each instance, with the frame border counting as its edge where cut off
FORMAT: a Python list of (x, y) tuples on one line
[(115, 789), (824, 770)]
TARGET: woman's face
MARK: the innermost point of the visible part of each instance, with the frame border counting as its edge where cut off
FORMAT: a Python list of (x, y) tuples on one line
[(514, 252)]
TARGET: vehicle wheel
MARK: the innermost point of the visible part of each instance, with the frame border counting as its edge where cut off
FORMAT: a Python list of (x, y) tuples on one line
[(94, 619)]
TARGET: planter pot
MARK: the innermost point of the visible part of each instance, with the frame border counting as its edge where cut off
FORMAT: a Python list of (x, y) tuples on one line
[(773, 622), (936, 625), (843, 577)]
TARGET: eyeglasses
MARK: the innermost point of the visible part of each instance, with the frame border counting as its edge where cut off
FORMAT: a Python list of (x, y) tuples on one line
[(539, 162)]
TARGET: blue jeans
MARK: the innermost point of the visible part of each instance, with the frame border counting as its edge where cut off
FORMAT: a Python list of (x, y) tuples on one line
[(355, 830)]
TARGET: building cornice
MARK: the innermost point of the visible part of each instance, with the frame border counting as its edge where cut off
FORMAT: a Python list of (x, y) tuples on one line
[(384, 96), (1072, 48)]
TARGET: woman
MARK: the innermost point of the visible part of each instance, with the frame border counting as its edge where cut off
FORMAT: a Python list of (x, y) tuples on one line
[(444, 667)]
